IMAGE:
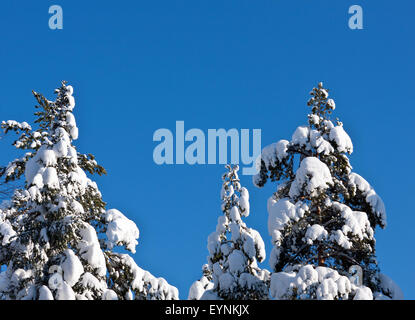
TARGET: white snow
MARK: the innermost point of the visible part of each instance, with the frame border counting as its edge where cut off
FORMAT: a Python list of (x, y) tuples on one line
[(281, 149), (74, 133), (237, 261), (244, 201), (38, 179), (363, 293), (78, 176), (312, 174), (88, 280), (281, 284), (45, 293), (47, 156), (320, 283), (234, 214), (213, 242), (273, 152), (55, 281), (339, 237), (77, 207), (315, 232), (268, 155), (65, 292), (61, 148), (109, 295), (226, 282), (314, 119), (376, 203), (259, 244), (71, 102), (342, 139), (31, 169), (69, 90), (6, 231), (90, 249), (50, 178), (356, 222), (300, 136), (121, 230), (317, 141), (141, 277), (280, 213), (72, 268), (71, 122), (331, 104), (198, 288)]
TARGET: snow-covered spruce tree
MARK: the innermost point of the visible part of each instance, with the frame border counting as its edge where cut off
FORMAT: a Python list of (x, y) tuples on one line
[(232, 272), (56, 236), (323, 216)]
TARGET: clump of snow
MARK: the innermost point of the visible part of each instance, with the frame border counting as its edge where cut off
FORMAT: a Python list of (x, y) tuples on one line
[(317, 141), (341, 239), (90, 249), (69, 96), (6, 231), (199, 287), (109, 295), (274, 152), (314, 119), (355, 222), (45, 293), (254, 245), (40, 170), (65, 292), (342, 139), (157, 287), (47, 156), (280, 213), (72, 268), (88, 280), (313, 175), (121, 230), (321, 283), (268, 155), (234, 215), (236, 261), (58, 284), (356, 182), (363, 293), (244, 201), (331, 104), (50, 178), (301, 136), (315, 232)]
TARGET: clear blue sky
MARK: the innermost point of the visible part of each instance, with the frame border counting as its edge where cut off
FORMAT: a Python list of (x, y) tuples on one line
[(137, 66)]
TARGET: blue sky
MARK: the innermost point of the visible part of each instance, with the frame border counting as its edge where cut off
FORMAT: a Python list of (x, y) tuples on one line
[(138, 66)]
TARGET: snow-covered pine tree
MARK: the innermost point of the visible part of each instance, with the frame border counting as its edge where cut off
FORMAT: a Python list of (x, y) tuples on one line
[(323, 216), (56, 236), (232, 272)]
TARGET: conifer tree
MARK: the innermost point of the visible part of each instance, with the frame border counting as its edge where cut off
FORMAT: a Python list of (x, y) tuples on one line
[(57, 238), (322, 216), (232, 272)]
